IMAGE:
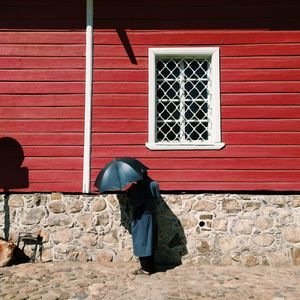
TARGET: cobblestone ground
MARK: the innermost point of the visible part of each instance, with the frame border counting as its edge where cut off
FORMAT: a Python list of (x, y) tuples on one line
[(70, 280)]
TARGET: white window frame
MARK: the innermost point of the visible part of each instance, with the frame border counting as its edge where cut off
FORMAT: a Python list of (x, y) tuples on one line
[(215, 134)]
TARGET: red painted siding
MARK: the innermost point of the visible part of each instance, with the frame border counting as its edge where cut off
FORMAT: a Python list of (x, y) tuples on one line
[(42, 73), (260, 90)]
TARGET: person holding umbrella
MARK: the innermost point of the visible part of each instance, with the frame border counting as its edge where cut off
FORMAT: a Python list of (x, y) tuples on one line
[(142, 196), (142, 192)]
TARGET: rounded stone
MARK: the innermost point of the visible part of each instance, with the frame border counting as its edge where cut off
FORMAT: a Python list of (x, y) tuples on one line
[(189, 222), (102, 220), (231, 206), (63, 236), (98, 205), (251, 206), (15, 201), (80, 256), (104, 256), (296, 201), (111, 238), (219, 224), (56, 196), (277, 259), (249, 260), (89, 239), (244, 226), (295, 253), (228, 243), (292, 234), (57, 207), (60, 220), (60, 248), (75, 206), (33, 216), (86, 220), (278, 200), (203, 246), (263, 223), (264, 240), (204, 205)]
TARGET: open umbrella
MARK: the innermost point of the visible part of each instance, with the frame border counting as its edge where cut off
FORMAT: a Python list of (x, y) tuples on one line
[(118, 173)]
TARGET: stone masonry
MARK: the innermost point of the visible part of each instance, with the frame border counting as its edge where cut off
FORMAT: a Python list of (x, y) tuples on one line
[(216, 229)]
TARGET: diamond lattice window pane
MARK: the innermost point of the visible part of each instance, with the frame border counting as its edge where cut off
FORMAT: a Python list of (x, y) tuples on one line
[(182, 91)]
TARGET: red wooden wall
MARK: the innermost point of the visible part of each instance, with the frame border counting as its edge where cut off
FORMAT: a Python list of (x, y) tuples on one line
[(42, 67), (42, 73), (260, 72)]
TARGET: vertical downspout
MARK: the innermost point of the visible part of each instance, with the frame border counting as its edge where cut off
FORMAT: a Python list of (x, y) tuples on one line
[(88, 98)]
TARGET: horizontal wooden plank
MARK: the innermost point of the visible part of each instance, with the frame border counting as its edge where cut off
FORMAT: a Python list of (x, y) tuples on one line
[(51, 139), (276, 62), (229, 151), (50, 176), (42, 62), (119, 138), (72, 187), (53, 163), (261, 125), (201, 37), (120, 87), (53, 151), (249, 23), (116, 125), (261, 112), (261, 87), (64, 100), (42, 50), (261, 138), (115, 100), (41, 112), (42, 75), (17, 126), (133, 113), (42, 87), (260, 99), (43, 37), (225, 50), (212, 163), (280, 75)]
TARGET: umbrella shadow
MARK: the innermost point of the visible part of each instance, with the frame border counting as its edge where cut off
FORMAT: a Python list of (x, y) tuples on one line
[(171, 240), (12, 175)]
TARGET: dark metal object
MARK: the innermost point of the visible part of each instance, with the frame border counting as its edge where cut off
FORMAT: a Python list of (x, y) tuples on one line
[(29, 239)]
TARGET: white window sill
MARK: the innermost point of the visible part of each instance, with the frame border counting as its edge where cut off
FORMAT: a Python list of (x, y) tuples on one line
[(202, 146)]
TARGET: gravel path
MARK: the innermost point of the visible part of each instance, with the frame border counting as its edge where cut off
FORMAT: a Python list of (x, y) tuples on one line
[(73, 280)]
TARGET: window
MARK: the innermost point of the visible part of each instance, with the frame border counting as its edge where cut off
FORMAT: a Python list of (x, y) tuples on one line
[(184, 99)]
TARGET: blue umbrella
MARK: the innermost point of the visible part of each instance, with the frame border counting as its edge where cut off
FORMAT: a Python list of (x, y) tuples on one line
[(118, 173)]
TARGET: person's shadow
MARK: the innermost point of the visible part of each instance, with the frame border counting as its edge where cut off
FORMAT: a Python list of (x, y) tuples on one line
[(171, 240), (12, 175)]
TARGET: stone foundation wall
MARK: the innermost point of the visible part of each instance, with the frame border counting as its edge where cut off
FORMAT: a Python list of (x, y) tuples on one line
[(218, 229)]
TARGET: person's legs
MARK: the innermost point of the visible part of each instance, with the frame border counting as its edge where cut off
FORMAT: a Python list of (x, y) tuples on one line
[(148, 263)]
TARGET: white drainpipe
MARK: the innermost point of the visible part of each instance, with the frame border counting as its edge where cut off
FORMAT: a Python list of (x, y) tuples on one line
[(88, 98)]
